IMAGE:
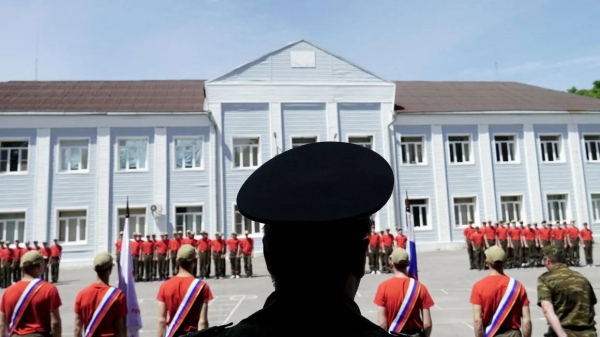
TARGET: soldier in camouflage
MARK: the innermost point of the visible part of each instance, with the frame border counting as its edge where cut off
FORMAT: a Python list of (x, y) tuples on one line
[(566, 297)]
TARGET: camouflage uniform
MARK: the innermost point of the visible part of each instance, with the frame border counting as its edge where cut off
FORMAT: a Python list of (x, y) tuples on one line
[(572, 296)]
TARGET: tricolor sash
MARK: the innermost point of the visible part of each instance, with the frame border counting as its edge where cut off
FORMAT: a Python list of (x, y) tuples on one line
[(506, 304), (408, 304), (32, 288), (106, 303), (184, 307)]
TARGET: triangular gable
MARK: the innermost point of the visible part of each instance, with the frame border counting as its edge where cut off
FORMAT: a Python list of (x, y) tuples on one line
[(300, 61)]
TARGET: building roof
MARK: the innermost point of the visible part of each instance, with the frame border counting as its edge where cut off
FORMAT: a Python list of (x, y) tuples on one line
[(103, 96), (422, 96)]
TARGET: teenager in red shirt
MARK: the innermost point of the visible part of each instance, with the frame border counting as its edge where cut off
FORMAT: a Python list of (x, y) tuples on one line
[(174, 245), (247, 244), (478, 241), (393, 296), (162, 246), (487, 294), (374, 244), (587, 240), (234, 245), (387, 246), (218, 255), (400, 239), (572, 239), (514, 246), (468, 244)]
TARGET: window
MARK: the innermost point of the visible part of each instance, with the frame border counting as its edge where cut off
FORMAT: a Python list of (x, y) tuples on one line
[(74, 155), (460, 149), (244, 224), (362, 141), (511, 208), (245, 152), (13, 156), (132, 154), (188, 219), (418, 211), (299, 141), (557, 207), (596, 207), (72, 226), (137, 220), (506, 149), (412, 150), (12, 226), (464, 211), (550, 147), (592, 147), (188, 153)]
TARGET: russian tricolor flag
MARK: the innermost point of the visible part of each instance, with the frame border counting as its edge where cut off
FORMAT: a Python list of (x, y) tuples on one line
[(411, 247)]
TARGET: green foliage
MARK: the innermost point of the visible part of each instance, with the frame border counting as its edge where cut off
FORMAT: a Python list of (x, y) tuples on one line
[(593, 92)]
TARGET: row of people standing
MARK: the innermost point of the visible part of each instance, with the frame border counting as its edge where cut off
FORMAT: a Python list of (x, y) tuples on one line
[(380, 249), (10, 255), (156, 259), (523, 244)]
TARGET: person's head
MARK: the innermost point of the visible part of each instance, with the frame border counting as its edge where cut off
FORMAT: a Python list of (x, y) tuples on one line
[(535, 224), (35, 243), (399, 230), (32, 263), (103, 265), (186, 256), (234, 235), (218, 236), (544, 224), (204, 234), (153, 237), (246, 234), (514, 224), (476, 229), (484, 224), (1, 243), (470, 223), (552, 255), (572, 223), (387, 230), (45, 244), (495, 257), (585, 225), (121, 234), (399, 260)]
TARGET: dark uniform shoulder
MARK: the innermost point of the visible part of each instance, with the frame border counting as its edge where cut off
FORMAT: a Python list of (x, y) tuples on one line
[(213, 331)]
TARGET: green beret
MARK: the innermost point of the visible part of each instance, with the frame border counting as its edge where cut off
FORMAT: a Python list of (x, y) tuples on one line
[(186, 252), (103, 261), (31, 258)]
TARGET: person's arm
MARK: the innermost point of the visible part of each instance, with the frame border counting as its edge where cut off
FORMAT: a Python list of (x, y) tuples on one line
[(78, 326), (381, 318), (526, 322), (552, 319), (203, 321), (162, 320), (55, 323), (427, 323), (3, 326), (510, 244), (477, 321)]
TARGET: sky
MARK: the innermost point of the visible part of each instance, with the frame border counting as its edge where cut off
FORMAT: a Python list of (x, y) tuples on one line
[(549, 43)]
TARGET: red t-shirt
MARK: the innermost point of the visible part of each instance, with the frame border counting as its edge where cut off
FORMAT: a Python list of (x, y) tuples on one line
[(174, 244), (16, 254), (218, 245), (36, 317), (188, 241), (387, 239), (529, 234), (573, 232), (119, 245), (558, 233), (488, 293), (136, 246), (148, 247), (490, 232), (374, 240), (390, 295), (172, 292), (204, 245), (515, 234), (233, 245), (586, 235), (477, 238), (7, 254), (468, 231), (161, 246), (545, 234), (90, 298), (247, 245), (502, 233), (44, 252), (55, 250), (401, 241)]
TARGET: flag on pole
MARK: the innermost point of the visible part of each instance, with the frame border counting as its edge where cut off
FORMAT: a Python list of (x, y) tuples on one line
[(412, 270), (133, 322)]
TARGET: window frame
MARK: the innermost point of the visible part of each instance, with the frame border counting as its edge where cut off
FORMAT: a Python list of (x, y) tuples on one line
[(584, 151), (301, 136), (355, 135), (595, 212), (521, 208), (567, 207), (428, 215), (471, 160), (259, 155), (202, 225), (251, 234), (59, 155), (174, 154), (475, 210), (516, 154), (561, 148), (118, 218), (87, 225), (18, 139), (18, 210), (118, 154), (423, 146)]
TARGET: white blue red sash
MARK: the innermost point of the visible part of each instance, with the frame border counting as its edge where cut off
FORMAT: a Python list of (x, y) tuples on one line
[(506, 304), (408, 304), (184, 307), (106, 303), (32, 288)]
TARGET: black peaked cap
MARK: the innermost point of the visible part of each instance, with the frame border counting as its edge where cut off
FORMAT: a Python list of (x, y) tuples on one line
[(317, 183)]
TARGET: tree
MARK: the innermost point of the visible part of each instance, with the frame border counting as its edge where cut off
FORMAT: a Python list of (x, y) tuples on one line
[(593, 92)]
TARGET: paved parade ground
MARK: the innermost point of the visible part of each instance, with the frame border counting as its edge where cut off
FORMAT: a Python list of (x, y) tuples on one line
[(445, 274)]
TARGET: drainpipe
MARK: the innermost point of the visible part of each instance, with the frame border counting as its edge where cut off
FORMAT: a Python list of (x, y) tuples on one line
[(392, 139), (220, 207)]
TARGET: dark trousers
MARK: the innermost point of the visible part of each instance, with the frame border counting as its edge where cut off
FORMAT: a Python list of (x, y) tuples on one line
[(385, 258), (516, 254), (46, 270), (219, 259), (560, 244), (163, 266), (138, 267), (491, 242), (479, 257), (6, 274), (148, 266), (574, 252), (204, 264), (504, 245), (248, 264), (54, 265), (234, 261), (471, 254), (17, 273), (374, 258), (118, 259), (174, 266), (587, 251), (531, 250)]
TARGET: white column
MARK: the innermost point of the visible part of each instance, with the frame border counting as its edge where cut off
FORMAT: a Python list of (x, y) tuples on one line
[(160, 178), (276, 134), (441, 187), (103, 188), (333, 127), (42, 182), (487, 172), (213, 171), (533, 173), (581, 210)]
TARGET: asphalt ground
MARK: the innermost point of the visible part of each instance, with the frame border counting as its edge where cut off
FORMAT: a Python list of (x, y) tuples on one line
[(444, 273)]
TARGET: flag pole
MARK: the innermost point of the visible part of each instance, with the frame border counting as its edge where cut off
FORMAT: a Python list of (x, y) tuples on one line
[(126, 281)]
